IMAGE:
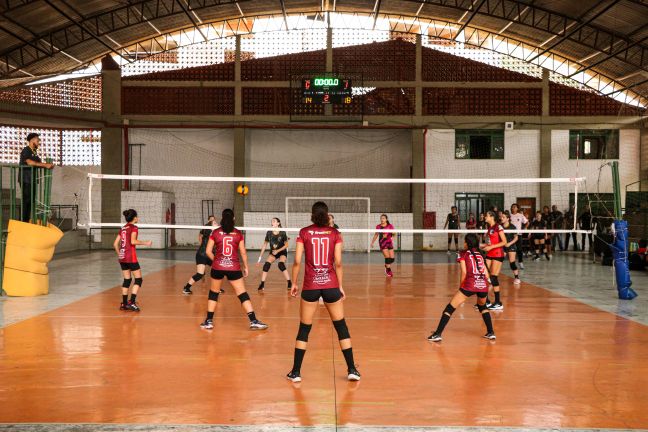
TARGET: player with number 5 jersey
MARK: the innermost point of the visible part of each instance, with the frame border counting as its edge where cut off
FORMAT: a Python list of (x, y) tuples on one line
[(474, 277), (321, 247), (223, 248)]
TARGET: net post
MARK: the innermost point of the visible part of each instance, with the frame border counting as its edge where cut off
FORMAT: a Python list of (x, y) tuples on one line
[(368, 225), (90, 178), (286, 212), (575, 203)]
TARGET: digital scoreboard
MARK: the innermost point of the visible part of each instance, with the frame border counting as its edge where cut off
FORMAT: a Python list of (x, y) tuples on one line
[(326, 90)]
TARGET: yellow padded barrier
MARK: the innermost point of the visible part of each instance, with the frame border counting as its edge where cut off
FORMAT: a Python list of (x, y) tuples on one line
[(29, 248)]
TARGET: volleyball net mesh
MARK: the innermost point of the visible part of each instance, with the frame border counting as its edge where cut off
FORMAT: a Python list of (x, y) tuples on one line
[(178, 206)]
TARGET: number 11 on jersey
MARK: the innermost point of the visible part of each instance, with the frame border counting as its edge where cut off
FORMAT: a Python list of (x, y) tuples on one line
[(320, 251)]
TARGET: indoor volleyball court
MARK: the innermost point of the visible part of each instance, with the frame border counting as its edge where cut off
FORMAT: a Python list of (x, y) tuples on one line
[(335, 215)]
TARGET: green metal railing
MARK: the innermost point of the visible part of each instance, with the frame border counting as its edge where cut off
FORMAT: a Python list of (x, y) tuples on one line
[(11, 207)]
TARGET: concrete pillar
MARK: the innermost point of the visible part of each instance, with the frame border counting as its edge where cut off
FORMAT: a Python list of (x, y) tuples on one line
[(545, 167), (328, 109), (238, 99), (240, 170), (418, 190), (419, 77), (111, 147), (545, 145)]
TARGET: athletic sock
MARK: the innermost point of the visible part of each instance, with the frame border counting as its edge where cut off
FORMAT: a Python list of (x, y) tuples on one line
[(262, 284), (133, 297), (442, 323), (188, 286), (298, 359), (489, 323), (289, 283), (348, 356), (517, 276), (497, 297), (252, 316), (124, 298), (210, 315)]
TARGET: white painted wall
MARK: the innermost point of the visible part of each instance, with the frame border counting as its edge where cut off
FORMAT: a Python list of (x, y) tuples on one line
[(599, 177), (185, 152), (521, 159)]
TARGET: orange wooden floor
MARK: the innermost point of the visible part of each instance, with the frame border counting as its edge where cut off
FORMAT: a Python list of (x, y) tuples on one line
[(556, 362)]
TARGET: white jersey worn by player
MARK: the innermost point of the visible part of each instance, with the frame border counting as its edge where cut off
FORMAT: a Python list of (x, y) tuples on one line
[(518, 220)]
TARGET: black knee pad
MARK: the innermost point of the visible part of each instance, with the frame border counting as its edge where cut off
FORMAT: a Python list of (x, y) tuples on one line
[(139, 281), (197, 277), (342, 329), (266, 267), (127, 283), (304, 330), (281, 266), (386, 261), (213, 295), (244, 297), (449, 309), (513, 266), (391, 260), (494, 280), (482, 308)]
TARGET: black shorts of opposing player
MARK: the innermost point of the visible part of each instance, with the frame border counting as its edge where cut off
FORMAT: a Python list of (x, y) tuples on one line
[(329, 295), (472, 293), (230, 275), (203, 259), (130, 266), (500, 259)]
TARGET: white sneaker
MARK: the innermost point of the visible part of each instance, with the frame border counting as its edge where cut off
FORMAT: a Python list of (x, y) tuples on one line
[(521, 266), (517, 281)]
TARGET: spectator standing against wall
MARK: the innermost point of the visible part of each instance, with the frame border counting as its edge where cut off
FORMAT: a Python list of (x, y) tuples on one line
[(29, 159)]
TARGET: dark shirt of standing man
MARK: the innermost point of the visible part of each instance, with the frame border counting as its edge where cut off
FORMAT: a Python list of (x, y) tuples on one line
[(29, 158)]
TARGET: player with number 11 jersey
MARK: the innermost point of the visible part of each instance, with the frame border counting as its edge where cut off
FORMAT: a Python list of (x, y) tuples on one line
[(319, 243)]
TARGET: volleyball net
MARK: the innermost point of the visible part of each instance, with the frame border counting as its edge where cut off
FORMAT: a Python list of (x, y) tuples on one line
[(178, 206)]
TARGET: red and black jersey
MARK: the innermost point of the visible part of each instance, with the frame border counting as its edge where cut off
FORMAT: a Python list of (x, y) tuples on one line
[(475, 280), (493, 234), (319, 249), (226, 247), (127, 252)]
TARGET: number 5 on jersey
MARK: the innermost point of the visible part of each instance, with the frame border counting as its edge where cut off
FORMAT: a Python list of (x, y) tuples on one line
[(320, 251)]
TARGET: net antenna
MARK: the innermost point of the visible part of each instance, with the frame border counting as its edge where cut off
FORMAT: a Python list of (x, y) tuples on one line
[(330, 199)]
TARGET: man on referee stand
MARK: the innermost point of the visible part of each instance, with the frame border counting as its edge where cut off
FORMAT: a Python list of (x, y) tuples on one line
[(29, 158)]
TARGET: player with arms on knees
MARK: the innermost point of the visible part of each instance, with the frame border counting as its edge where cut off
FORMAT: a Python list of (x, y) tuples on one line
[(202, 260), (386, 243), (474, 277), (278, 241), (321, 245), (223, 248), (125, 245)]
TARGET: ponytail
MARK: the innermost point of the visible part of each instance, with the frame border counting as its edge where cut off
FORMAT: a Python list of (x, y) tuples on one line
[(227, 221)]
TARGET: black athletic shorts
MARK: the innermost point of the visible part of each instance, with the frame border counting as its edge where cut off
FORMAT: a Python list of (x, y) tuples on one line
[(231, 275), (538, 236), (280, 254), (512, 248), (472, 293), (203, 259), (329, 295), (129, 266), (500, 259)]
